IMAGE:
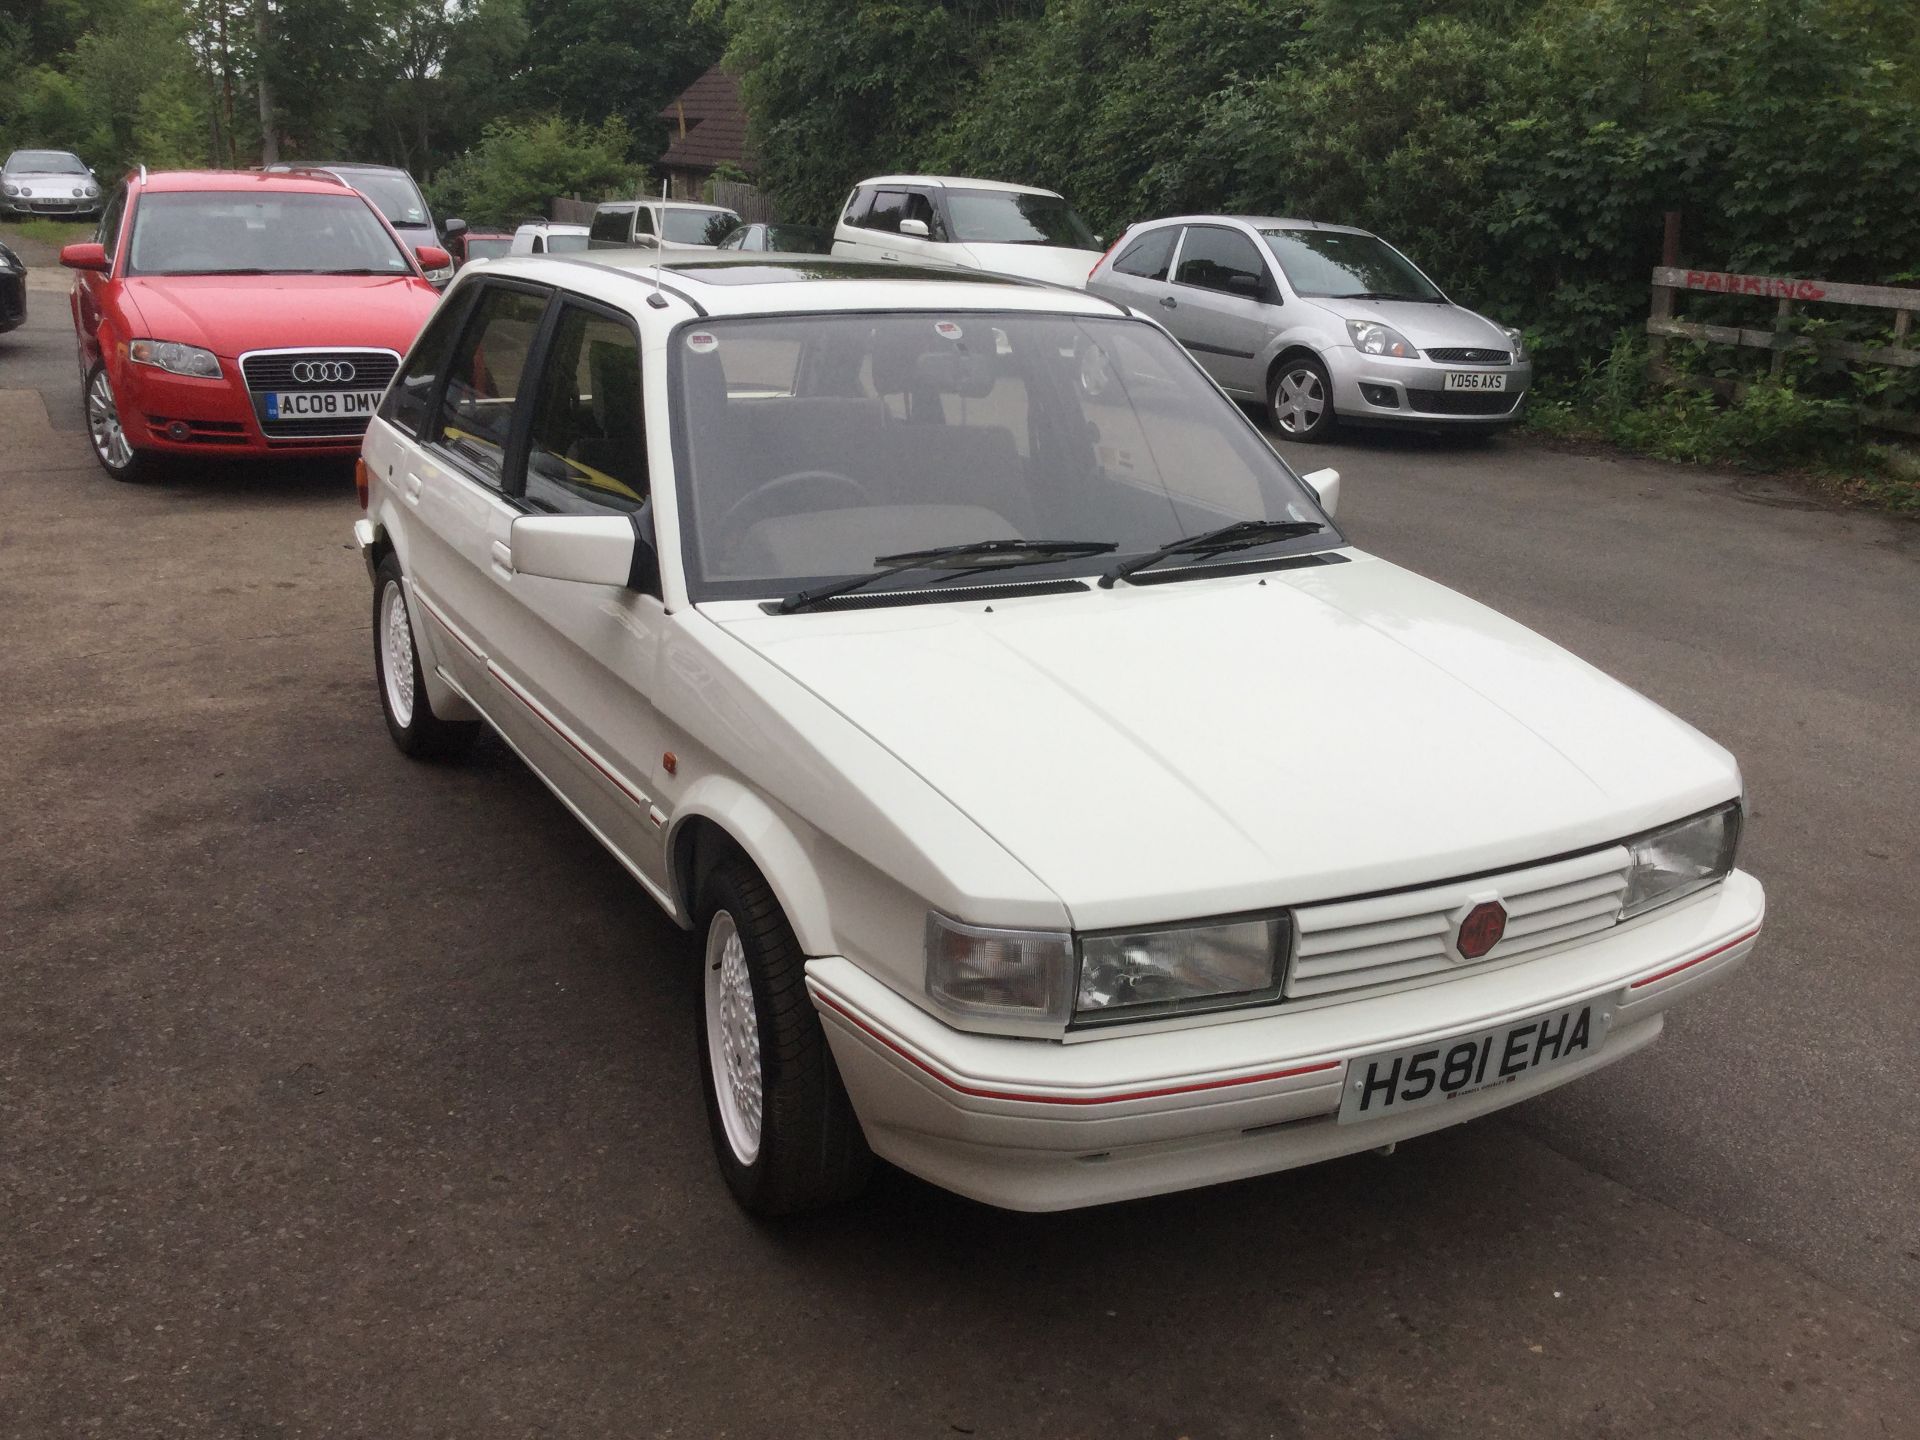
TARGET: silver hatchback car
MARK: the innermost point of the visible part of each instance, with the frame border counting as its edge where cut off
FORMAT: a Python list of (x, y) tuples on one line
[(1320, 323)]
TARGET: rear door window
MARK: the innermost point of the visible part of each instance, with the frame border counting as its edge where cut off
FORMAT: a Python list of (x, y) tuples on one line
[(889, 209), (475, 419), (609, 225)]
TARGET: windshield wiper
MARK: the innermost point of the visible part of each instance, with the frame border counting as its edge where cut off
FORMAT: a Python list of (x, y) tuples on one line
[(1240, 535), (960, 559)]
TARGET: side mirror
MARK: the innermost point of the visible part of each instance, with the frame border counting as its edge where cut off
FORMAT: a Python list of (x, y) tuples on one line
[(85, 256), (588, 549), (1324, 483), (451, 228), (917, 229), (432, 257)]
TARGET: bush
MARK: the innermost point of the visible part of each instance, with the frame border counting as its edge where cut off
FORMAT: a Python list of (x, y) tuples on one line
[(517, 168)]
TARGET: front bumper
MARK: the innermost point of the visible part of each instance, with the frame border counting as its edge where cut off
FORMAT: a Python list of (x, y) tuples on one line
[(1047, 1125), (64, 207), (1373, 388), (188, 415)]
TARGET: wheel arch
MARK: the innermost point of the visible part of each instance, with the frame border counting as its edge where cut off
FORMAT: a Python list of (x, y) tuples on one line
[(1291, 350), (719, 817)]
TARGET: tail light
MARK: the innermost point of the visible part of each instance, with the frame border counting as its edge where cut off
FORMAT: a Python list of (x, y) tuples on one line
[(361, 480), (1104, 253)]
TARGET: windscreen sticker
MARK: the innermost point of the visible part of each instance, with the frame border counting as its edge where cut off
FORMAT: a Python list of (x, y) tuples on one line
[(703, 343), (946, 330)]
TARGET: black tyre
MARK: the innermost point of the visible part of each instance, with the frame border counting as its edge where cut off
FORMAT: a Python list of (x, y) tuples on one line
[(396, 672), (111, 447), (1300, 400), (783, 1129)]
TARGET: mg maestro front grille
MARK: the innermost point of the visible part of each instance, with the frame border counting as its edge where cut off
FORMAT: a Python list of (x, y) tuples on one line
[(1470, 356), (1388, 939)]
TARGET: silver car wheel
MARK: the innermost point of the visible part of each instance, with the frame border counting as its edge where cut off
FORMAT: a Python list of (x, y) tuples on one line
[(103, 424), (733, 1038), (1300, 400), (396, 653)]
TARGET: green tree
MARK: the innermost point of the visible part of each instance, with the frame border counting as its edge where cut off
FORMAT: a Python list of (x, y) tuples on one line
[(518, 167), (622, 59)]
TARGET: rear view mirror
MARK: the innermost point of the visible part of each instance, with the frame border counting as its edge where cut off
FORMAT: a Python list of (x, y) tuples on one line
[(917, 229), (1325, 484), (85, 256), (588, 549)]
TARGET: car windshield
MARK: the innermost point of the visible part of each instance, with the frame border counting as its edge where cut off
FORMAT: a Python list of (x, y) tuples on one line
[(214, 232), (393, 193), (809, 447), (565, 244), (699, 227), (487, 247), (1341, 265), (1004, 217), (44, 162)]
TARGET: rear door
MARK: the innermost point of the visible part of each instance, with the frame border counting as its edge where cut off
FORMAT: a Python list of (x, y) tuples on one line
[(1222, 293), (89, 286)]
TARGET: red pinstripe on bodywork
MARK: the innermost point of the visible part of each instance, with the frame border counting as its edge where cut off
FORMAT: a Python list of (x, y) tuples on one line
[(1689, 964)]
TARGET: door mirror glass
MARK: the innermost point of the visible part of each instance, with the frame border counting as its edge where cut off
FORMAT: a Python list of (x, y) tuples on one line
[(1325, 484), (917, 229), (86, 256), (586, 549)]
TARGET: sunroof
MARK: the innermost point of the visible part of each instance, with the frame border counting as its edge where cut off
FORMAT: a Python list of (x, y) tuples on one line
[(782, 272)]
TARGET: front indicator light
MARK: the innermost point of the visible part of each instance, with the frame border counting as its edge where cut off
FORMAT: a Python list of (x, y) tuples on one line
[(1679, 859), (999, 974), (175, 358), (1128, 975)]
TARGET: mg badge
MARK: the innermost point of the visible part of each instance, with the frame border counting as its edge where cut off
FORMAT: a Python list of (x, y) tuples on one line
[(1482, 929)]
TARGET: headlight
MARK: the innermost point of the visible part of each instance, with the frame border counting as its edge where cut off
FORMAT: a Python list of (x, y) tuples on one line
[(92, 189), (175, 358), (1517, 339), (1129, 974), (999, 974), (1372, 338), (1680, 859), (10, 189)]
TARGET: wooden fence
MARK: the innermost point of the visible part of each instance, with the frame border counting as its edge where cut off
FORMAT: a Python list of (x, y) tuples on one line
[(1672, 281), (750, 204)]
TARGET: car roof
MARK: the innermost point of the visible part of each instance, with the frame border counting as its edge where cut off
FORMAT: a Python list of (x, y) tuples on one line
[(725, 283), (661, 205), (1259, 222), (559, 227), (283, 182), (959, 182), (342, 165)]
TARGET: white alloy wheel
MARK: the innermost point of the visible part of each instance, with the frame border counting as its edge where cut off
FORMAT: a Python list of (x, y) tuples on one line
[(103, 425), (396, 652), (1300, 401), (733, 1038)]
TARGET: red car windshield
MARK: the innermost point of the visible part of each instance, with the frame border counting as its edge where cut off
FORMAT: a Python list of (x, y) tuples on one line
[(220, 233)]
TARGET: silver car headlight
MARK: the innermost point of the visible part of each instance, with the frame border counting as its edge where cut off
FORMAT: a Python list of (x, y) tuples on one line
[(1517, 339), (999, 974), (1679, 859), (1127, 975), (175, 358), (10, 189), (1372, 338)]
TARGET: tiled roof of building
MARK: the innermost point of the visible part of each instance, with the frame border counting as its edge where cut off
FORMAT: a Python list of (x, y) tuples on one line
[(715, 124)]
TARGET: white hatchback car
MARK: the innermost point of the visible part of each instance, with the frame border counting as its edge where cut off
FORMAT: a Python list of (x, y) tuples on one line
[(1067, 811), (975, 224)]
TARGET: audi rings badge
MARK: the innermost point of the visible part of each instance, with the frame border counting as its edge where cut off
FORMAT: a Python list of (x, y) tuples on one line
[(323, 372)]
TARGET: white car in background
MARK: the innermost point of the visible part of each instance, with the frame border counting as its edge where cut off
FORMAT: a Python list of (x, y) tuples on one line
[(548, 237), (1066, 809), (659, 225), (976, 224)]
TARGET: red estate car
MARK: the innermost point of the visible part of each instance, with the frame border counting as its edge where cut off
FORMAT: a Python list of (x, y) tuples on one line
[(240, 313)]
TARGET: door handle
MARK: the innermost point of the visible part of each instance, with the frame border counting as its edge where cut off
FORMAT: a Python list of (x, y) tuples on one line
[(411, 487), (502, 557), (1169, 302)]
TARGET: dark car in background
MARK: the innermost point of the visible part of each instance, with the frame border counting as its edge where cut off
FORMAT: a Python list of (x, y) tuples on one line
[(13, 291), (395, 195)]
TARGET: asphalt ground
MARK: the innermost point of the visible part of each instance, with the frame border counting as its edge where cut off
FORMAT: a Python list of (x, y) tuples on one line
[(346, 1096)]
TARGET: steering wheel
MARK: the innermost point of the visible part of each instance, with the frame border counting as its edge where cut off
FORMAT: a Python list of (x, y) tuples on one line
[(760, 493)]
